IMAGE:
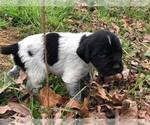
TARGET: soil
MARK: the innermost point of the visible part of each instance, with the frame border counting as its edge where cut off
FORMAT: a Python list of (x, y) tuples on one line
[(7, 37)]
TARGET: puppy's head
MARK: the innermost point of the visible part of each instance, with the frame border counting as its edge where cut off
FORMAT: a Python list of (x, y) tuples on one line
[(103, 50)]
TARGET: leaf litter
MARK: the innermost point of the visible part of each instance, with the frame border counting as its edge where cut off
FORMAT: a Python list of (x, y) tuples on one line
[(104, 101)]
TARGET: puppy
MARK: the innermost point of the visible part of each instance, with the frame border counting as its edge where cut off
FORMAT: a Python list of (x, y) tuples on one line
[(69, 55)]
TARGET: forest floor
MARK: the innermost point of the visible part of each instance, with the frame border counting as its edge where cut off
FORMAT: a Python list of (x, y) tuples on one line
[(122, 99)]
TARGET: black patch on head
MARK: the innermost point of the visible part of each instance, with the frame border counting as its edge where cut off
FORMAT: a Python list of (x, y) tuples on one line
[(17, 59), (96, 49), (84, 50), (30, 53), (52, 48)]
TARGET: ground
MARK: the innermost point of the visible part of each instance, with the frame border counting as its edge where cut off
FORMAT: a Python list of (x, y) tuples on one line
[(115, 97), (7, 36)]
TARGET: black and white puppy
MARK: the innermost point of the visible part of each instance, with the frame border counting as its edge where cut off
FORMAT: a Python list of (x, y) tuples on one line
[(70, 55)]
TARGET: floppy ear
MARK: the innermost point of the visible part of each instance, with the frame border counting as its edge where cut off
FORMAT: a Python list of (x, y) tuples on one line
[(83, 51)]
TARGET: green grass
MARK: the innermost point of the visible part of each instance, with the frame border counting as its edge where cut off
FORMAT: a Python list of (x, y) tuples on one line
[(27, 19)]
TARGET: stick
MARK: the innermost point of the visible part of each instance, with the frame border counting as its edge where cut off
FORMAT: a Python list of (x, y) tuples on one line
[(43, 28)]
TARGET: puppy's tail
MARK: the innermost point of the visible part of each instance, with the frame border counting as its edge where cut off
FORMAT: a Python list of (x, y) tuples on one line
[(9, 49)]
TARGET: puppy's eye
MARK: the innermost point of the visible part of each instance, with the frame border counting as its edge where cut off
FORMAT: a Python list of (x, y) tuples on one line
[(101, 55)]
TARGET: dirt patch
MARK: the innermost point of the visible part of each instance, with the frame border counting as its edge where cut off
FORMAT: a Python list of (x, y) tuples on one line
[(7, 36)]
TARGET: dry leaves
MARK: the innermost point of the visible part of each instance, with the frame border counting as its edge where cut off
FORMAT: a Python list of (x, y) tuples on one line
[(145, 65), (99, 91), (73, 104), (146, 38), (21, 113), (117, 98), (84, 109), (49, 98)]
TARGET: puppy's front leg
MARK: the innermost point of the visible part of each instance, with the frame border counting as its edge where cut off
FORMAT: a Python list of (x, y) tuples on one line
[(73, 89), (14, 72), (34, 80)]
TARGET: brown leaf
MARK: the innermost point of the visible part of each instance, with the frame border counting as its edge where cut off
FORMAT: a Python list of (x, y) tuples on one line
[(147, 37), (128, 113), (115, 27), (57, 118), (99, 91), (145, 65), (4, 109), (44, 120), (102, 93), (58, 115), (19, 108), (143, 114), (117, 98), (21, 78), (22, 115), (73, 104), (19, 120), (48, 98), (84, 109), (129, 104)]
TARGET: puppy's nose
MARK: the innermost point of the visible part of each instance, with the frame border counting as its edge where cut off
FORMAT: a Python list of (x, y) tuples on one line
[(116, 66)]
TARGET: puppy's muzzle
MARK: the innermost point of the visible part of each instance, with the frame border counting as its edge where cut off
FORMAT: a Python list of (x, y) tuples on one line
[(111, 70), (117, 67)]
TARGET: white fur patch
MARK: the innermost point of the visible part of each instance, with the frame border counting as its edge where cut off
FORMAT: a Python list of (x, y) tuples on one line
[(69, 66)]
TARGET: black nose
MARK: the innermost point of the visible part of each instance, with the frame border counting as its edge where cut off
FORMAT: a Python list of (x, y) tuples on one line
[(116, 66)]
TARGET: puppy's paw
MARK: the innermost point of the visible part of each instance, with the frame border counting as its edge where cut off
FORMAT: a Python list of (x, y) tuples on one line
[(33, 87), (13, 74)]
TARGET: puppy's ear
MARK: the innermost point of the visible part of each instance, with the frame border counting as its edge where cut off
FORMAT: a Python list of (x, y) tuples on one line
[(83, 50)]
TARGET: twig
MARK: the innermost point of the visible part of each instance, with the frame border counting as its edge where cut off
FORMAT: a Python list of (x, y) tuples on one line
[(43, 28)]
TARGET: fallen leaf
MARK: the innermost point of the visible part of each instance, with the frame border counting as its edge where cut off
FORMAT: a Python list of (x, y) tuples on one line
[(145, 65), (129, 104), (128, 114), (117, 98), (143, 114), (115, 27), (57, 118), (147, 37), (19, 108), (49, 98), (73, 104), (44, 119), (99, 91), (84, 109), (4, 109), (21, 78), (16, 107), (19, 120), (58, 115), (21, 113)]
